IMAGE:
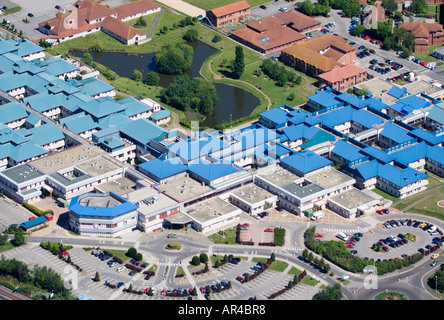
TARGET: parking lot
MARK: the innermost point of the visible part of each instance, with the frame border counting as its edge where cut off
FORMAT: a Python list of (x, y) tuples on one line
[(394, 248), (12, 213)]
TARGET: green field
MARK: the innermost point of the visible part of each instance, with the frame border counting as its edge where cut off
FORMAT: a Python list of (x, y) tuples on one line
[(211, 4)]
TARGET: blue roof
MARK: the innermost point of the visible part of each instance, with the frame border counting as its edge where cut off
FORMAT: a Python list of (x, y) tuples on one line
[(34, 222), (12, 111), (162, 114), (162, 169), (326, 99), (79, 123), (279, 114), (410, 103), (419, 151), (133, 106), (437, 113), (366, 170), (348, 113), (102, 107), (400, 177), (191, 149), (428, 137), (93, 86), (395, 133), (142, 130), (306, 161), (210, 171), (378, 154), (124, 207), (55, 66), (6, 46), (45, 134), (347, 151), (26, 47), (397, 92)]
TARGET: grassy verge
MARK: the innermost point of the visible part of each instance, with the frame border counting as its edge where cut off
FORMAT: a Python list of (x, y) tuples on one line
[(385, 195)]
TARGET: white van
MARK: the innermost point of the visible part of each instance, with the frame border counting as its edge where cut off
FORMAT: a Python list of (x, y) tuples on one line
[(120, 269), (342, 236), (317, 215)]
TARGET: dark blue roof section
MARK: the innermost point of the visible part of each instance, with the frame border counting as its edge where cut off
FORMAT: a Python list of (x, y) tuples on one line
[(162, 169), (348, 113), (348, 151), (211, 171), (397, 92), (109, 212), (306, 161), (33, 223)]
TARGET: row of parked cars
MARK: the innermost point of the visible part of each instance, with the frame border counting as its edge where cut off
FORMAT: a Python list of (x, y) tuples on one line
[(423, 63)]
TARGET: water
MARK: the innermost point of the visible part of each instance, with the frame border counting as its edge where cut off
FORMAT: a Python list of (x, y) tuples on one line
[(233, 101)]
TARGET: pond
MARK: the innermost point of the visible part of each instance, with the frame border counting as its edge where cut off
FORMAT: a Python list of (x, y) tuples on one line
[(234, 102)]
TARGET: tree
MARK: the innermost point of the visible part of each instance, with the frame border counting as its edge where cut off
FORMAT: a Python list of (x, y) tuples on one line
[(137, 76), (174, 58), (203, 257), (97, 277), (239, 64), (195, 261), (138, 256), (191, 35), (305, 254), (352, 9), (140, 22), (97, 47), (19, 239), (333, 292), (389, 5), (87, 58), (131, 252), (418, 6), (306, 7), (152, 78), (272, 256)]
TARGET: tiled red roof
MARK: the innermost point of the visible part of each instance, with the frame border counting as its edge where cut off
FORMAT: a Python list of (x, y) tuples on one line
[(230, 8)]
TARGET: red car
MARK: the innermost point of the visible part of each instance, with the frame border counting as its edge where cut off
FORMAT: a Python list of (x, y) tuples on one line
[(240, 279), (385, 248), (269, 230), (319, 235), (380, 211), (349, 246)]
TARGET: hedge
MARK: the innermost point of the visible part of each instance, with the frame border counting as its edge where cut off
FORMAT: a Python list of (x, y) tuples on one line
[(36, 210)]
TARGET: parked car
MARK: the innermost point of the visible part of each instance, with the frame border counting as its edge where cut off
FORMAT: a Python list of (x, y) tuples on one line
[(283, 9), (434, 262), (263, 7)]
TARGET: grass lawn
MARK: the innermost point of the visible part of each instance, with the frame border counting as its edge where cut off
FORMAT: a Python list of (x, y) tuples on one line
[(409, 201), (278, 265), (429, 207), (211, 4), (230, 237), (385, 195), (11, 10), (118, 253), (8, 246)]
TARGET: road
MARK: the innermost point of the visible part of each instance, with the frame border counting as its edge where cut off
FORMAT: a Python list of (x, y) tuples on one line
[(411, 281)]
